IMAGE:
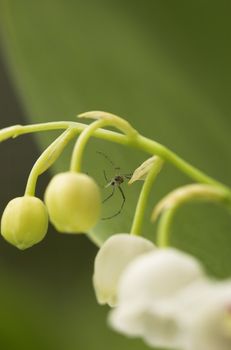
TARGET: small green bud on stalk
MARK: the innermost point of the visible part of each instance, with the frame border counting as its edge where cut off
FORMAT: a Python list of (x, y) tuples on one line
[(24, 221), (73, 201)]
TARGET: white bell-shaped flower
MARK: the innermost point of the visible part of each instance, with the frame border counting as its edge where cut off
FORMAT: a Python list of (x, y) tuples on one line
[(158, 275), (146, 295), (164, 327), (204, 316), (113, 257)]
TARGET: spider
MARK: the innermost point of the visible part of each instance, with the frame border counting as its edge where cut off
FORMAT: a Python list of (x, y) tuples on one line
[(115, 182)]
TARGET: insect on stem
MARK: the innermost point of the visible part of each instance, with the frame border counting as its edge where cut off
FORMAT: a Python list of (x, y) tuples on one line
[(115, 182)]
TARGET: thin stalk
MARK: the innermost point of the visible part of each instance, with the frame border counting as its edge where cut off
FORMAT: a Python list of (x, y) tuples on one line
[(77, 155), (164, 227), (197, 175), (102, 119), (140, 142), (138, 219), (168, 206), (46, 159)]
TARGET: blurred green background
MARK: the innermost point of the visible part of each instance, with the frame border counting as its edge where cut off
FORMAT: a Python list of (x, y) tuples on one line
[(163, 65)]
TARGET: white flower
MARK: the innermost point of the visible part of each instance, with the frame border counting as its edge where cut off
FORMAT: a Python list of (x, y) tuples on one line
[(113, 257), (146, 295), (204, 316)]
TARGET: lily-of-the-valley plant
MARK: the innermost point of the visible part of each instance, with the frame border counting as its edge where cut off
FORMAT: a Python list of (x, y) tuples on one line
[(155, 291)]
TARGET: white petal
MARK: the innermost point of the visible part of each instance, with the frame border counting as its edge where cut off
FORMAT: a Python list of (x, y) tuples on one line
[(147, 292), (205, 318), (156, 324), (157, 275), (114, 255)]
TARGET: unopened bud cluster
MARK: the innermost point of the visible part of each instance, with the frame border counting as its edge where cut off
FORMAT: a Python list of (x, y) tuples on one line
[(72, 202)]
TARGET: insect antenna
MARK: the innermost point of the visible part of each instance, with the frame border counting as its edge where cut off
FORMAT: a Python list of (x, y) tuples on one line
[(108, 160)]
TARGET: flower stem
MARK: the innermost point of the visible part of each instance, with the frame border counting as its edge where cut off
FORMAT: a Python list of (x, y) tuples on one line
[(17, 130), (47, 158), (143, 198), (77, 155), (140, 142), (153, 147), (102, 119), (163, 231), (168, 206)]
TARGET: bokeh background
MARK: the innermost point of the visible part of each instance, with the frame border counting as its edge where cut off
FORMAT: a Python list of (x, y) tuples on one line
[(163, 65)]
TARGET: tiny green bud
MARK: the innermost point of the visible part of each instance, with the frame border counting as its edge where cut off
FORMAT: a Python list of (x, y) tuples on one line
[(73, 201), (24, 221)]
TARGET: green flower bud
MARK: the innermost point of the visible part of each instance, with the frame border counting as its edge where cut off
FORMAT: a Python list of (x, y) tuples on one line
[(24, 221), (73, 201)]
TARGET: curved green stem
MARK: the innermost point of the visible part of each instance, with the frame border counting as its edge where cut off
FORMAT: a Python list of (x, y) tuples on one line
[(140, 142), (47, 158), (163, 231), (17, 130), (103, 119), (168, 206), (77, 155), (160, 150), (143, 198)]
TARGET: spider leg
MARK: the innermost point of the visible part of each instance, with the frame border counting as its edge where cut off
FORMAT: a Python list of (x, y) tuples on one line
[(110, 195), (123, 196), (105, 175), (121, 207), (128, 176)]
